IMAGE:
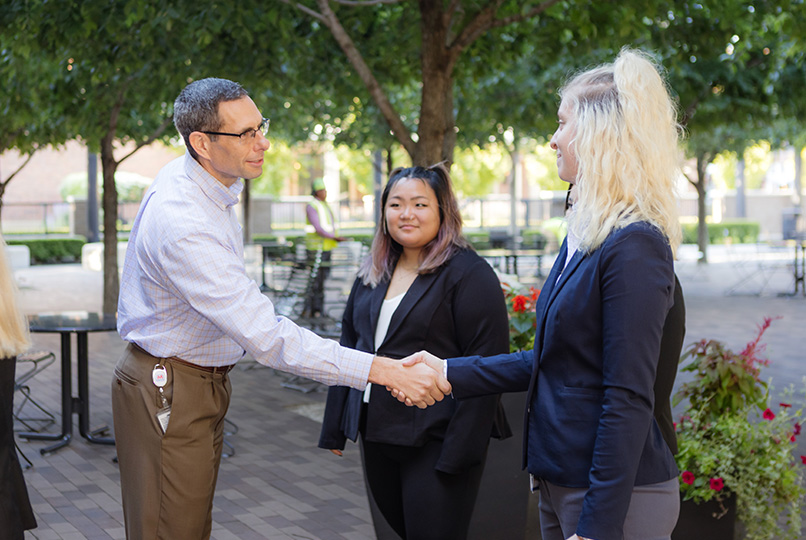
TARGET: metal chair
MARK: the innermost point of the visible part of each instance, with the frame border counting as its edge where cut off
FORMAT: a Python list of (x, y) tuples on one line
[(31, 363)]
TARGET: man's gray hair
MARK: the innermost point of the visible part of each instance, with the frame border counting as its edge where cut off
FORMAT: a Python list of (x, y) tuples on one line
[(196, 107)]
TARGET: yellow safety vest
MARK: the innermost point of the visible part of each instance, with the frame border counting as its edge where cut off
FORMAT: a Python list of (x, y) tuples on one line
[(313, 241)]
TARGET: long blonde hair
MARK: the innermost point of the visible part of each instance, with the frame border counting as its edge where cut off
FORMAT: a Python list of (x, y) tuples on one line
[(13, 326), (627, 152)]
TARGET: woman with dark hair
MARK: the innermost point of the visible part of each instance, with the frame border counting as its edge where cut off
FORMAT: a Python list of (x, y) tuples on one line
[(422, 287), (16, 514)]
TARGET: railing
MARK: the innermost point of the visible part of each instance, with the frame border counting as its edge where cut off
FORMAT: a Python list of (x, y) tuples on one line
[(288, 213), (36, 218), (268, 214)]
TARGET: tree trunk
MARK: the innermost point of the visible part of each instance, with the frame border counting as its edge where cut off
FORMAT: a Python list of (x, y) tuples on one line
[(702, 227), (436, 104), (110, 205), (798, 183), (2, 191), (801, 200), (741, 190), (4, 185)]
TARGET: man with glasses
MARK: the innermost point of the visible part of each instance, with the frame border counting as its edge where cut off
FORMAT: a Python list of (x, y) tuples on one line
[(189, 312)]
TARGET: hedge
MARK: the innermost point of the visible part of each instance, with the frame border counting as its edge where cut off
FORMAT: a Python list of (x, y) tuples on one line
[(52, 250), (738, 231)]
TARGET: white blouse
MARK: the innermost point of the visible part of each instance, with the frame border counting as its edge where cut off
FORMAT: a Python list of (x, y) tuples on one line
[(384, 318)]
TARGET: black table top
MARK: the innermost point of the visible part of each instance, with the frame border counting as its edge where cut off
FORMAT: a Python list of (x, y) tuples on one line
[(73, 321)]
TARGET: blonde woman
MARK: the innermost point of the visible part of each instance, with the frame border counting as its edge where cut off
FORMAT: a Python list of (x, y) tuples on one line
[(593, 448), (16, 514)]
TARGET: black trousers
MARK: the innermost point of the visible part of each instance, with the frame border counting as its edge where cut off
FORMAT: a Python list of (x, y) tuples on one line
[(419, 502), (315, 301), (16, 514)]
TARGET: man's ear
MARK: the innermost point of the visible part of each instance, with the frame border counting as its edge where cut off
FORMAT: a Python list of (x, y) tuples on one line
[(200, 143)]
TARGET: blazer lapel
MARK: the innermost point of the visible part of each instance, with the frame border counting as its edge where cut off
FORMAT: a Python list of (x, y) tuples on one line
[(375, 301), (566, 273), (557, 278), (540, 310), (420, 286)]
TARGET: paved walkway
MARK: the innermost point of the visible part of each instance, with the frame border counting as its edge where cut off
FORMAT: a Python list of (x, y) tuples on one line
[(277, 484)]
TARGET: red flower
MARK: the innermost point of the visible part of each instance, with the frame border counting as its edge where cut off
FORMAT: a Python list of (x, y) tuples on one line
[(797, 428), (768, 414), (687, 477), (785, 405), (793, 439), (519, 303), (535, 293), (803, 459), (717, 484)]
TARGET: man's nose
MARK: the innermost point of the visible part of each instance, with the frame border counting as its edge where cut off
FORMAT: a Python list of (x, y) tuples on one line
[(263, 142)]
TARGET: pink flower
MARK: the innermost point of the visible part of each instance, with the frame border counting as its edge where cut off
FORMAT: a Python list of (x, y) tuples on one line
[(768, 414), (688, 477), (717, 484)]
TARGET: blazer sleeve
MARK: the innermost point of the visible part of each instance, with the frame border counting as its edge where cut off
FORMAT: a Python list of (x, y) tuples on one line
[(472, 376), (637, 283), (337, 424), (482, 327)]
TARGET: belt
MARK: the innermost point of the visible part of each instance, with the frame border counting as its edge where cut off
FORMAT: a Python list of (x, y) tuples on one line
[(173, 359), (223, 370)]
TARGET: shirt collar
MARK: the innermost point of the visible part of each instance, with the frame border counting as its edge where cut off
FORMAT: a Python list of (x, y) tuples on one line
[(224, 197)]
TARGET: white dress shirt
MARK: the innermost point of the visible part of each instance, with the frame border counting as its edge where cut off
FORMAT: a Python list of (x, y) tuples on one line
[(185, 292)]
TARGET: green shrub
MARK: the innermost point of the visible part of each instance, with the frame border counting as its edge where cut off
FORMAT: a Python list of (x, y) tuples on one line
[(53, 250), (479, 239), (533, 239), (738, 231)]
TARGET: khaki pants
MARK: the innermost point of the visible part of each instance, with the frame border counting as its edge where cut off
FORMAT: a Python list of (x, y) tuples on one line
[(168, 480)]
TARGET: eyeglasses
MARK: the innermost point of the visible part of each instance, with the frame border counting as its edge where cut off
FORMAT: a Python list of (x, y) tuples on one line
[(247, 135)]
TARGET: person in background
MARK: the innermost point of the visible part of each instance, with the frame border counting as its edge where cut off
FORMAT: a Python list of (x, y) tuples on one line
[(593, 447), (320, 237), (190, 311), (16, 514), (422, 287)]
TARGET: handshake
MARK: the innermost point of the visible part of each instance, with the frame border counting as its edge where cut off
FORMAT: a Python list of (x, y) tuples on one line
[(416, 380)]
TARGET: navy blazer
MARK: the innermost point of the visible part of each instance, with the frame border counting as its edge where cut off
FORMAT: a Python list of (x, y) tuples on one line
[(457, 310), (591, 375)]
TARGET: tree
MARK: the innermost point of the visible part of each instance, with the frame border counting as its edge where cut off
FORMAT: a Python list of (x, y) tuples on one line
[(121, 66), (31, 119), (725, 61), (446, 33)]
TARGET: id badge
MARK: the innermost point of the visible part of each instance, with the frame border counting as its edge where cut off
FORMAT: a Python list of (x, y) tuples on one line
[(163, 415), (159, 376)]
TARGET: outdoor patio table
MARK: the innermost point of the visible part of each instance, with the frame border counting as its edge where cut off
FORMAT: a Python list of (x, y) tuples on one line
[(79, 323)]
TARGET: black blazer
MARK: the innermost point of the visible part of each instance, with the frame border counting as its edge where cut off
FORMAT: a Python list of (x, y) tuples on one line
[(671, 345), (457, 310), (591, 376)]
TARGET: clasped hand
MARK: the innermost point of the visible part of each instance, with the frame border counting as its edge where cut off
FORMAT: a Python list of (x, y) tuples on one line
[(434, 365)]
